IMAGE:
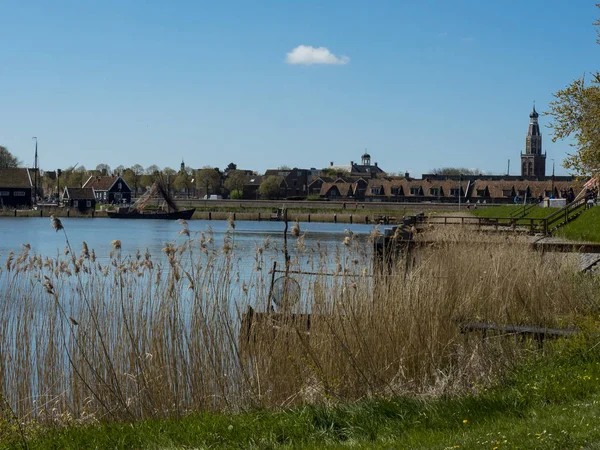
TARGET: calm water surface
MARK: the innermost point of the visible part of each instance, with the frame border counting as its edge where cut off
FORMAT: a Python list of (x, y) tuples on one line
[(152, 234)]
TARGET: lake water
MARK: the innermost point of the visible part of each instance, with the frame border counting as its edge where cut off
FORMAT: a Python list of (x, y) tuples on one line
[(153, 234)]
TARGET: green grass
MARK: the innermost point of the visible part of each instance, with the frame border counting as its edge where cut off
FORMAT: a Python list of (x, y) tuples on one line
[(551, 402), (507, 210), (585, 228)]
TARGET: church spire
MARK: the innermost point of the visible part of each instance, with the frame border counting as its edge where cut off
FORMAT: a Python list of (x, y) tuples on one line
[(533, 161)]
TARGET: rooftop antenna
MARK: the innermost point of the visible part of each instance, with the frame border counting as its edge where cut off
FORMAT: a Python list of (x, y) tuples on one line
[(508, 169)]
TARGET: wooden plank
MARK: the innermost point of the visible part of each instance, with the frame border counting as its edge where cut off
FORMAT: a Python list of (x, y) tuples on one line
[(517, 329)]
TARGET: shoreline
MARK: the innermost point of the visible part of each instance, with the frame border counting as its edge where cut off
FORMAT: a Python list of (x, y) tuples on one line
[(303, 211)]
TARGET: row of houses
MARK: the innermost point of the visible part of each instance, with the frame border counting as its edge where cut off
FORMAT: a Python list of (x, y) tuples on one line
[(17, 189), (406, 189)]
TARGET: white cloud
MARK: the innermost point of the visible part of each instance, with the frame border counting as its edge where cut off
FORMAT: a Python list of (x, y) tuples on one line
[(308, 55)]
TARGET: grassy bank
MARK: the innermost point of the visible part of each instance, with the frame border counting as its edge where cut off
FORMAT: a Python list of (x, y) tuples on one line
[(516, 211), (585, 228), (146, 347), (549, 402)]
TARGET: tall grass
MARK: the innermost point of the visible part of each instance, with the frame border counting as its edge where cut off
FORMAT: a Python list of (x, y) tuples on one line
[(142, 336)]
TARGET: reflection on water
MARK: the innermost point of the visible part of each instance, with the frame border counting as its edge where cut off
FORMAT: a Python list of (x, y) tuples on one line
[(153, 234)]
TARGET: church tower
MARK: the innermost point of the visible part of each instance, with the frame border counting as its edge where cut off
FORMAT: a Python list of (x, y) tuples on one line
[(533, 161)]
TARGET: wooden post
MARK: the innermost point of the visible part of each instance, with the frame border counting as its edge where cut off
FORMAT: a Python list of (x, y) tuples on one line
[(68, 212), (308, 217), (259, 216), (269, 302), (367, 220), (41, 212), (209, 215), (233, 216), (350, 219), (335, 218), (15, 213)]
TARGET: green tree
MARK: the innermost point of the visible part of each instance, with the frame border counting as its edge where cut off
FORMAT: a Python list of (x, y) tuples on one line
[(235, 183), (151, 173), (7, 159), (270, 187), (575, 113), (74, 177), (133, 177), (183, 181), (456, 171), (332, 172), (208, 180)]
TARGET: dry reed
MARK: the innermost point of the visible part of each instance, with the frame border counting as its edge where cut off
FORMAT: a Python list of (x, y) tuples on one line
[(142, 336)]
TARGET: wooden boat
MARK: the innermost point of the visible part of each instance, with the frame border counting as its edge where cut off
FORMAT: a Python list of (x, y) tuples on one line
[(138, 211), (126, 213)]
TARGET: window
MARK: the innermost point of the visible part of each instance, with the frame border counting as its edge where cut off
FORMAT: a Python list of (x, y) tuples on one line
[(480, 192), (75, 203), (415, 190), (4, 193), (521, 193), (375, 190), (299, 173), (454, 192), (547, 193), (120, 186), (88, 203), (19, 193), (434, 191), (506, 193), (396, 190)]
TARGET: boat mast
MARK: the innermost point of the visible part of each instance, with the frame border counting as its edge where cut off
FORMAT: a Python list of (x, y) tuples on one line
[(35, 175)]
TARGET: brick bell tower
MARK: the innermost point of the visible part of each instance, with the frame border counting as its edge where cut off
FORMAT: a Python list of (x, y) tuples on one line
[(533, 161)]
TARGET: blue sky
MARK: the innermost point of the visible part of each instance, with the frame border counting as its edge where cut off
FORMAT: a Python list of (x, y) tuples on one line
[(420, 84)]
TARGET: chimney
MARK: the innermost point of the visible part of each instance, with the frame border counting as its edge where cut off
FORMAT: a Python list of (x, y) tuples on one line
[(351, 163), (407, 175), (373, 175), (331, 164), (375, 164)]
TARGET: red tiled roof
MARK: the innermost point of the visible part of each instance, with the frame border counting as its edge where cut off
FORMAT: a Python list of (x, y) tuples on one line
[(100, 183)]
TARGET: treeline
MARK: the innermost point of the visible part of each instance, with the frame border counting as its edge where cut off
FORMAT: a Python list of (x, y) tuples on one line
[(191, 181)]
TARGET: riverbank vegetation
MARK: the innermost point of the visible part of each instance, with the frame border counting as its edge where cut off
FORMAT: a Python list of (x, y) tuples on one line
[(93, 345)]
